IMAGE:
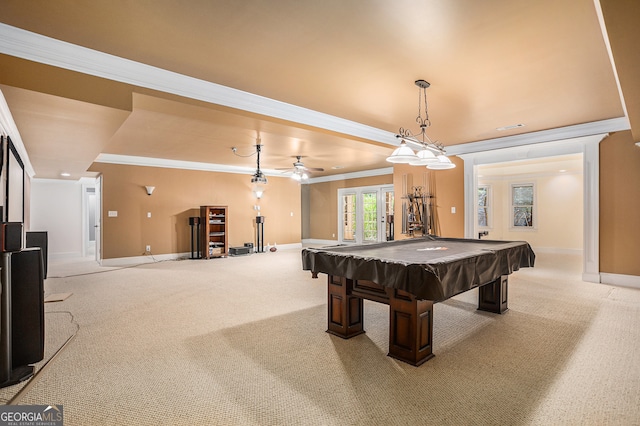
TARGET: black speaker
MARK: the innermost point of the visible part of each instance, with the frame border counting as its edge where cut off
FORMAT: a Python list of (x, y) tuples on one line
[(10, 236), (39, 239), (27, 306)]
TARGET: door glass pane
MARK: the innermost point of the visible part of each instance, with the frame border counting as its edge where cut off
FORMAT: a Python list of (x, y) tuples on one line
[(388, 202), (349, 217), (483, 193), (370, 216)]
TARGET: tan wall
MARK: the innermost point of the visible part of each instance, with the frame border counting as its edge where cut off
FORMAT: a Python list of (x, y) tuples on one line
[(178, 195), (619, 205), (449, 188), (449, 192), (323, 204)]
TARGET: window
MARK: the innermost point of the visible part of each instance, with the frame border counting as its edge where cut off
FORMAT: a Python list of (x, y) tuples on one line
[(522, 205), (484, 205)]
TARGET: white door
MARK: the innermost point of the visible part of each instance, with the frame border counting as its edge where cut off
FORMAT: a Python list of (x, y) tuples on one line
[(88, 219), (387, 220), (98, 221), (362, 214)]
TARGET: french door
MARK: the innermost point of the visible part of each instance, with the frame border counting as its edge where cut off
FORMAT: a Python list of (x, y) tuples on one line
[(365, 214)]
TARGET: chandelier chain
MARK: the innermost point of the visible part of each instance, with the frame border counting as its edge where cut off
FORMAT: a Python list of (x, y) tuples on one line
[(423, 122), (421, 137)]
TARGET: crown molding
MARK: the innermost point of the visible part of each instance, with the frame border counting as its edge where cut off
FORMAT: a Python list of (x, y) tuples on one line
[(38, 48), (354, 175), (130, 160), (551, 135), (8, 128)]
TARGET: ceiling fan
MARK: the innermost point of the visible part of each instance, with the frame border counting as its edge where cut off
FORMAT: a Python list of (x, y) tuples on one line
[(299, 170)]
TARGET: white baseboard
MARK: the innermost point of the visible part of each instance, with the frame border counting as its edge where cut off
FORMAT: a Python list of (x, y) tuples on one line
[(288, 246), (620, 280), (591, 277), (312, 241), (556, 250), (138, 260)]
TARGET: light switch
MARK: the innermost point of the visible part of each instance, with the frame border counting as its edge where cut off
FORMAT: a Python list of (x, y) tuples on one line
[(148, 214), (453, 210), (113, 213)]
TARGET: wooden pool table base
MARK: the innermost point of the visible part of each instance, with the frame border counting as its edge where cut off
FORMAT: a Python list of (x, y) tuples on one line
[(410, 319)]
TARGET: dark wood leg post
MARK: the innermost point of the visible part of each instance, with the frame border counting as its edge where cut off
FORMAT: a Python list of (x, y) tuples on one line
[(410, 328), (345, 311), (492, 297)]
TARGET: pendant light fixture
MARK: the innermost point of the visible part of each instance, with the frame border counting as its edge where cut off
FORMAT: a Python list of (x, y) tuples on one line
[(258, 179), (431, 154)]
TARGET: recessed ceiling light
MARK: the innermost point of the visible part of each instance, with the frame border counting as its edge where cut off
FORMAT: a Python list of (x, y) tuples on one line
[(562, 171), (65, 174), (513, 126), (337, 167)]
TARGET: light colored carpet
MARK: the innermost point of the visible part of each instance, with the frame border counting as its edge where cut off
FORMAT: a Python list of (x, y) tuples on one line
[(60, 328), (58, 297), (241, 341)]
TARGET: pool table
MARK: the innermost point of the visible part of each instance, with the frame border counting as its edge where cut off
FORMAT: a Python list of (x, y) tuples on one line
[(410, 276)]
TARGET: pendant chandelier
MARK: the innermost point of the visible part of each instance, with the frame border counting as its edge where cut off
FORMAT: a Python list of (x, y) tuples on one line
[(258, 179), (432, 154)]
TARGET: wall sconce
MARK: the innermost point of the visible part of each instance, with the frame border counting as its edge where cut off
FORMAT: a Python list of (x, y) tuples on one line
[(150, 189)]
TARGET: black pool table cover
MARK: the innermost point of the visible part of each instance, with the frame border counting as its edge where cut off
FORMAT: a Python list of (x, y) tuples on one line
[(430, 268)]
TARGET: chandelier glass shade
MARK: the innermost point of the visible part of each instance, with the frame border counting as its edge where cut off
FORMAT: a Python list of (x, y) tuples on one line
[(431, 153), (299, 175), (402, 154), (442, 163), (424, 158)]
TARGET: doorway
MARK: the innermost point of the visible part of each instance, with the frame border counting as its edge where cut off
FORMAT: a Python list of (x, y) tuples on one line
[(588, 146), (365, 214), (91, 218)]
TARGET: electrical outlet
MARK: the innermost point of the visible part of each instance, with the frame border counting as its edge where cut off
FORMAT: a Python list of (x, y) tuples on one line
[(148, 249)]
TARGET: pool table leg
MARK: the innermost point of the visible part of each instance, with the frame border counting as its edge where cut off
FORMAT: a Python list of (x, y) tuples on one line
[(492, 297), (410, 327), (345, 311)]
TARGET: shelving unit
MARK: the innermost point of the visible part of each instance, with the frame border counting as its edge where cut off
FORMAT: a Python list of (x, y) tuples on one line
[(418, 214), (214, 241)]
